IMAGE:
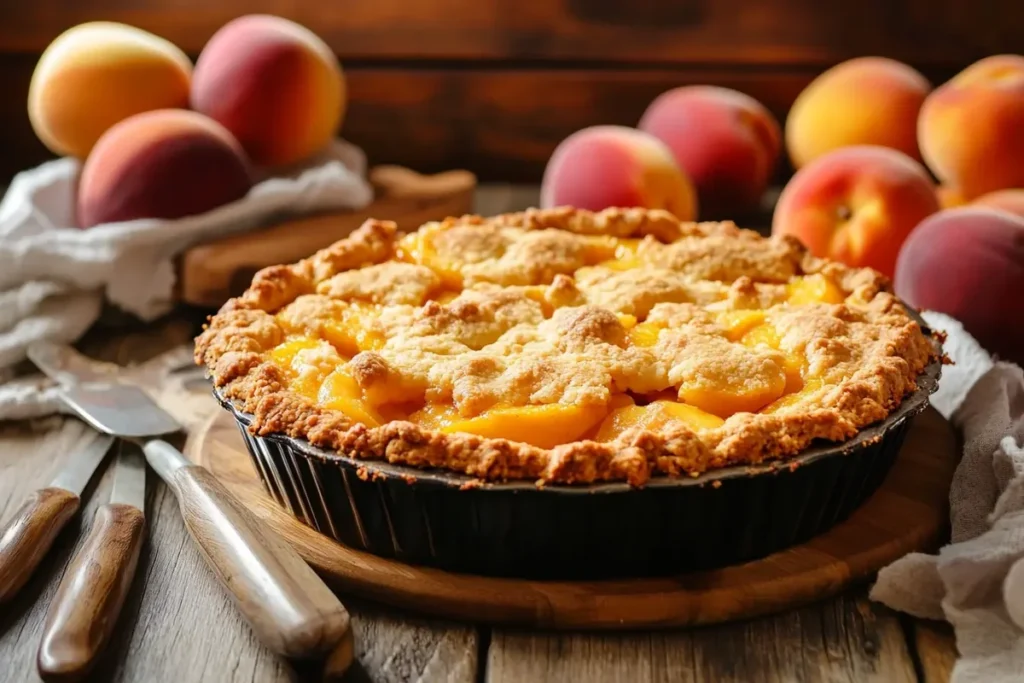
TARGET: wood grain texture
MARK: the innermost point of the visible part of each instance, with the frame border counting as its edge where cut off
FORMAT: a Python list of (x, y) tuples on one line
[(290, 609), (87, 606), (720, 32), (177, 625), (29, 533), (907, 513), (847, 639)]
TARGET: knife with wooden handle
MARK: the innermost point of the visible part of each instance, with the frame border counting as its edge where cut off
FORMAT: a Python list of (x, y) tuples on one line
[(289, 607), (88, 602), (27, 536)]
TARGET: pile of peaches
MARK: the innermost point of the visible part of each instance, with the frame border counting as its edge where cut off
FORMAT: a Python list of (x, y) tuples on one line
[(160, 137), (925, 185)]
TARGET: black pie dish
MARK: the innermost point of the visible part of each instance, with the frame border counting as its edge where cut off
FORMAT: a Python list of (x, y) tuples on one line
[(597, 531)]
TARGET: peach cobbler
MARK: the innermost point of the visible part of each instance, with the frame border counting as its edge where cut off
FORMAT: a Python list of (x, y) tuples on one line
[(565, 346)]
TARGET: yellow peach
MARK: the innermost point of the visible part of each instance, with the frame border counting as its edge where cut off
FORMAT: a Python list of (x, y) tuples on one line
[(862, 101), (970, 127), (97, 74)]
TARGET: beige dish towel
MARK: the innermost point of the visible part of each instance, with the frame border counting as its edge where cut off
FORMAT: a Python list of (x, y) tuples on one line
[(54, 278), (976, 582)]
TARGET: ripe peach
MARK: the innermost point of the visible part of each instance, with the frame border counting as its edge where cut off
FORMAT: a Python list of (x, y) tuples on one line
[(971, 128), (603, 166), (856, 205), (98, 73), (727, 142), (969, 263), (1007, 200), (167, 163), (863, 101), (274, 84)]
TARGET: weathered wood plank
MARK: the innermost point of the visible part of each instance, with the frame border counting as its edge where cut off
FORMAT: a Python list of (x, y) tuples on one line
[(665, 31), (935, 644), (178, 625), (846, 639)]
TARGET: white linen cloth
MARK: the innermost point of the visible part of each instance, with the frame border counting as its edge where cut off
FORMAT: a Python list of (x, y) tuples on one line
[(976, 581), (54, 277)]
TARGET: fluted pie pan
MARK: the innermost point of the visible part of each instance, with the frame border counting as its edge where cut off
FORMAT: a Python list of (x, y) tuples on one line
[(669, 526), (558, 392)]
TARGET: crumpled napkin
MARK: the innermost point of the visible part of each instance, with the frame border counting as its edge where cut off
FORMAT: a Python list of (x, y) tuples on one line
[(54, 277), (976, 582)]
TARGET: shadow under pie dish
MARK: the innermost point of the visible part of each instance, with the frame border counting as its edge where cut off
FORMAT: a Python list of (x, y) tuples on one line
[(570, 394)]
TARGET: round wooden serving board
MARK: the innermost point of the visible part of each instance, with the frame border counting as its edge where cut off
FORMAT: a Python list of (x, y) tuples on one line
[(907, 513)]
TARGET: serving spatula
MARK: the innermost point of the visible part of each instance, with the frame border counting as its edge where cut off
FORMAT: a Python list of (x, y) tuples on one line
[(287, 605)]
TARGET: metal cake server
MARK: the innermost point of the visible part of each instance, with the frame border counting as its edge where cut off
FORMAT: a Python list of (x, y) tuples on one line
[(288, 606), (88, 601), (28, 535)]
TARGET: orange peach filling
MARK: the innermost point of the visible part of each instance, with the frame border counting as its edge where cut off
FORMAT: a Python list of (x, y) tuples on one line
[(340, 391), (354, 331), (739, 323), (698, 404), (625, 257), (545, 426), (418, 247), (645, 334), (742, 397), (654, 416), (814, 289)]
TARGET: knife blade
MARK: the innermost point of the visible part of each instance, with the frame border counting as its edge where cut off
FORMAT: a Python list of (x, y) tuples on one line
[(28, 535), (88, 601)]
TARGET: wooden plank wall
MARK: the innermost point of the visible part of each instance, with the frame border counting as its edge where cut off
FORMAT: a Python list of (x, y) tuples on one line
[(493, 85)]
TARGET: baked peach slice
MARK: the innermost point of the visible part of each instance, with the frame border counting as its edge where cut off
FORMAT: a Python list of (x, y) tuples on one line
[(814, 289), (793, 366), (418, 247), (544, 426), (656, 415), (340, 391), (354, 332)]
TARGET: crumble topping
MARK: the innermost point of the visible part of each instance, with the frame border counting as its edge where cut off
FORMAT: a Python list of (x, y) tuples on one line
[(566, 346)]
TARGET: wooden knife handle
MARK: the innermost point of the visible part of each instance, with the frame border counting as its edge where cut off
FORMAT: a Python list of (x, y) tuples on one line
[(288, 606), (89, 599), (28, 535)]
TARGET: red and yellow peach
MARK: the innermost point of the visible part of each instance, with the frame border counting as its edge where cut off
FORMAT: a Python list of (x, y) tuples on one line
[(608, 166), (275, 85), (969, 263), (725, 141), (168, 163), (856, 205)]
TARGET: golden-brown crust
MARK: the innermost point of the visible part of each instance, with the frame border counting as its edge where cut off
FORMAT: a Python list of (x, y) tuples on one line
[(873, 349)]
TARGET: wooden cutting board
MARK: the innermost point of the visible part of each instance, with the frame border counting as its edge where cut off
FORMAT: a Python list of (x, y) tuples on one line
[(908, 513), (211, 273)]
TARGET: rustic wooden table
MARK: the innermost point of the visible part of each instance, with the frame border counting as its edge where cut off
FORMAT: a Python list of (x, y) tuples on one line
[(179, 627)]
